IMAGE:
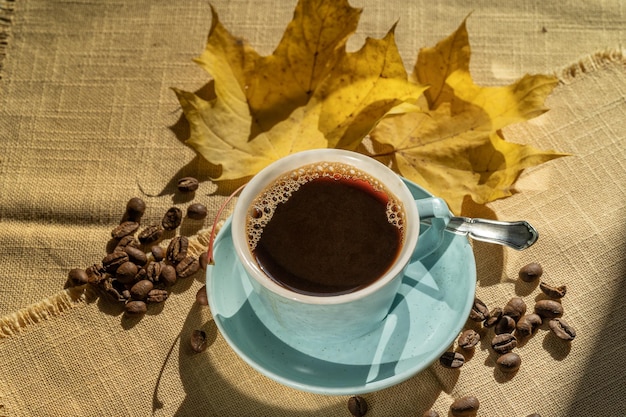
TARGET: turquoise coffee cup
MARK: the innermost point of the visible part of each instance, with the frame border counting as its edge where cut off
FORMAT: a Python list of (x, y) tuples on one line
[(333, 319)]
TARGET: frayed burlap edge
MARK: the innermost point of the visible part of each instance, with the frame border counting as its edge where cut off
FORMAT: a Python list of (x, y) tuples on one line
[(591, 63), (53, 306), (6, 18), (70, 298)]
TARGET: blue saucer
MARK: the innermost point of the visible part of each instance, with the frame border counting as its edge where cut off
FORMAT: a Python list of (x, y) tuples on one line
[(428, 313)]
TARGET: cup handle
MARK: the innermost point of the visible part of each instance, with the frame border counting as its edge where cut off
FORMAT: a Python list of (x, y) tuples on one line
[(436, 210)]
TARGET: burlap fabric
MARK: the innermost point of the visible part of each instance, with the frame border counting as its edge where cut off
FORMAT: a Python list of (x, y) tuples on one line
[(88, 120)]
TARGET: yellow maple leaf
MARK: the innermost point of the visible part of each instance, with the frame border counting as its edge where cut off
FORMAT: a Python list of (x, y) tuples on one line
[(220, 128), (455, 147), (277, 84), (268, 107)]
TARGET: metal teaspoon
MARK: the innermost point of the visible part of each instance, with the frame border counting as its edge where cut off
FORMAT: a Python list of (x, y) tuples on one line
[(517, 235)]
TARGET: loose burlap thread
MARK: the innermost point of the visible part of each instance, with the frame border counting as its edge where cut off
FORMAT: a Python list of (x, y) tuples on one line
[(87, 121)]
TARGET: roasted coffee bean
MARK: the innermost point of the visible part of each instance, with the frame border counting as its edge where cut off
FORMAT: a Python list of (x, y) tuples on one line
[(126, 272), (196, 211), (126, 242), (452, 360), (153, 271), (156, 296), (494, 317), (187, 267), (357, 406), (479, 311), (135, 208), (527, 325), (113, 288), (198, 341), (548, 309), (172, 218), (503, 343), (141, 274), (552, 291), (113, 261), (561, 329), (202, 297), (140, 290), (136, 256), (505, 325), (465, 406), (468, 339), (515, 308), (95, 274), (168, 275), (135, 308), (77, 277), (509, 362), (530, 272), (150, 234), (430, 413), (204, 260), (187, 184), (158, 253), (177, 249), (124, 229)]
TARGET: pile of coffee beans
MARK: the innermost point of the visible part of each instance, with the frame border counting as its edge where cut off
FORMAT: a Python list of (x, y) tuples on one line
[(138, 271), (512, 324)]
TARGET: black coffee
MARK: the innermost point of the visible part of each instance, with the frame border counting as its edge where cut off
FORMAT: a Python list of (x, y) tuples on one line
[(325, 230)]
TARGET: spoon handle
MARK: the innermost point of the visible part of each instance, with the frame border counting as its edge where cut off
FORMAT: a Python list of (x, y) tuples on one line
[(517, 235)]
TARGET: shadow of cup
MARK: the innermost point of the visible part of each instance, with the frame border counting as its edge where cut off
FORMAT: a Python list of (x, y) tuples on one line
[(208, 392)]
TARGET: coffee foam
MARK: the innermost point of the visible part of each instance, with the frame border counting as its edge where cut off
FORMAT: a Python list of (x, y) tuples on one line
[(280, 190)]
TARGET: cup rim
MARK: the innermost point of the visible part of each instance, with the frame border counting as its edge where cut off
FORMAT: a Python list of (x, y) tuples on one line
[(293, 161)]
